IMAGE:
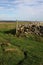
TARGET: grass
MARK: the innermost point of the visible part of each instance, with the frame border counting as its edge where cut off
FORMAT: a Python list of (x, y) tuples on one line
[(26, 51), (34, 50)]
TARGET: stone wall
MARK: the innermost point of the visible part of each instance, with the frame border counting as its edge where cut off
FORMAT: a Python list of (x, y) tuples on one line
[(25, 29)]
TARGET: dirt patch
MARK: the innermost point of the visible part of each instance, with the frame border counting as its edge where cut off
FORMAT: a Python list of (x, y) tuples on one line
[(10, 49)]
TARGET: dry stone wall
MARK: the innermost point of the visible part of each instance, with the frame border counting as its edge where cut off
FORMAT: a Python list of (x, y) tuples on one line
[(24, 29)]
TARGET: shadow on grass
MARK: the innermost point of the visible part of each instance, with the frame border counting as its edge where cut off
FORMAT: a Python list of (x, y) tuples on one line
[(25, 57), (12, 31)]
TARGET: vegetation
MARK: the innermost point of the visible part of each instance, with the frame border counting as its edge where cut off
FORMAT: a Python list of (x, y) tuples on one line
[(20, 50)]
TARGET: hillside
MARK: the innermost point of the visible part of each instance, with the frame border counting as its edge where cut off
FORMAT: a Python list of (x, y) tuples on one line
[(19, 50)]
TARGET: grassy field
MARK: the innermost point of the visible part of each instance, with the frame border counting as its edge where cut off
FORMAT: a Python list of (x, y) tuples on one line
[(20, 51), (12, 25)]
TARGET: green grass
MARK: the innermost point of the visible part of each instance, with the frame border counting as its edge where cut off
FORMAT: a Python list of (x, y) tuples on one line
[(33, 46), (34, 49)]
